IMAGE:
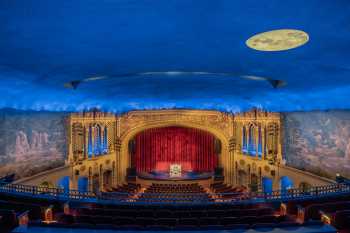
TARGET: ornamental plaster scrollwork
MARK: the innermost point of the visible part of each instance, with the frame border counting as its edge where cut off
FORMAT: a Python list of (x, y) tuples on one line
[(207, 119)]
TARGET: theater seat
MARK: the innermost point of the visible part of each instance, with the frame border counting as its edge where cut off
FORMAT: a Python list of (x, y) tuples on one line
[(188, 221), (66, 219), (166, 221), (102, 220), (145, 221), (266, 219), (230, 220), (123, 221), (247, 220), (8, 220), (208, 221), (342, 219), (158, 228)]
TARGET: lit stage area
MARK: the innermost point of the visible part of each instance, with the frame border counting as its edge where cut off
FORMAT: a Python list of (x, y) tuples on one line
[(185, 176), (174, 154)]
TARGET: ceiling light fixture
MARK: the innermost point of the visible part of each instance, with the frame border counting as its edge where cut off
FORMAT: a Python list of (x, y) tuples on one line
[(278, 40)]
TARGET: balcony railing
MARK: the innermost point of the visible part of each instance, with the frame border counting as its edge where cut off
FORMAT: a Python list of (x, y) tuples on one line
[(123, 197)]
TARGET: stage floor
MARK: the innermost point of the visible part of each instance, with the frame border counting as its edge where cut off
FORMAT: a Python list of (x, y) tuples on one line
[(186, 176)]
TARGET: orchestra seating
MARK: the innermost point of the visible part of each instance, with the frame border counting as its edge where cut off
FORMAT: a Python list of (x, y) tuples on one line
[(174, 216), (11, 208), (8, 219), (174, 193), (337, 209), (225, 191), (127, 188), (191, 215)]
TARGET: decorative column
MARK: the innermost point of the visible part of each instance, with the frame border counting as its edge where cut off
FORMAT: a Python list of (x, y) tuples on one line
[(102, 135), (70, 143), (72, 180), (118, 160), (279, 144), (93, 142), (231, 149), (101, 178), (113, 174), (90, 177), (117, 146), (256, 135), (263, 142)]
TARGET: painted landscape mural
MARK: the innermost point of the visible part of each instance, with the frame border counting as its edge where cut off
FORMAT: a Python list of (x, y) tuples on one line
[(318, 141), (31, 142)]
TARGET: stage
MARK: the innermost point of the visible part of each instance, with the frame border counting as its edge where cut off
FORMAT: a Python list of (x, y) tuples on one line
[(202, 178)]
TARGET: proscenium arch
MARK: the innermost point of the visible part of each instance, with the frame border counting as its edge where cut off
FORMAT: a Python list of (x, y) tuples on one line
[(128, 135)]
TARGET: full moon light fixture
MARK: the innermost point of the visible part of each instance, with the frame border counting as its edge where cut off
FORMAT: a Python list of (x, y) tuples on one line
[(278, 40)]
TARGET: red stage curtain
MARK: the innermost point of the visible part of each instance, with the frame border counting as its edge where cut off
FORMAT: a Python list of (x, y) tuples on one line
[(157, 148)]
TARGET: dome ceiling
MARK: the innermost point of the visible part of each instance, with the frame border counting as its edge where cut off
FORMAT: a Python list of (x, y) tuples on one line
[(127, 54)]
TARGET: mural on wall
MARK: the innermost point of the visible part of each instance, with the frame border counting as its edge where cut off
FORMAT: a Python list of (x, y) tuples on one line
[(31, 142), (318, 142)]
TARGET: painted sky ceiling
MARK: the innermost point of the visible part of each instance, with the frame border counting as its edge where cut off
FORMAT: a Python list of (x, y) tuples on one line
[(47, 44)]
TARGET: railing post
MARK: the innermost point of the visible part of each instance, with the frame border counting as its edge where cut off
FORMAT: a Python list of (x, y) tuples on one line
[(301, 214), (283, 209)]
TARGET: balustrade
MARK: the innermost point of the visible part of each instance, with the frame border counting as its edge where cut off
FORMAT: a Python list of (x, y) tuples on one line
[(278, 195)]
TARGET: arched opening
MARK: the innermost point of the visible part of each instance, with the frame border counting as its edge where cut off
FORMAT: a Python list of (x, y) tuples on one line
[(95, 183), (260, 147), (254, 183), (244, 140), (63, 183), (97, 140), (286, 183), (83, 184), (90, 142), (105, 140), (251, 142), (242, 178), (107, 179), (156, 149), (124, 162), (267, 184)]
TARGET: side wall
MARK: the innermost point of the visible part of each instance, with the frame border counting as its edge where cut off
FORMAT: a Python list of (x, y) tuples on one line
[(31, 142), (51, 176), (318, 142)]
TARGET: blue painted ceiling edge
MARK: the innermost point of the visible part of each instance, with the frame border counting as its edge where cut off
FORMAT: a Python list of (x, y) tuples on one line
[(45, 44)]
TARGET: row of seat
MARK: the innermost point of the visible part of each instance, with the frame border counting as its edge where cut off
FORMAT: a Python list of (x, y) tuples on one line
[(8, 220), (174, 185), (173, 200), (173, 213), (174, 191), (128, 188), (35, 210), (341, 219), (147, 221), (292, 206), (339, 212), (170, 193), (313, 211)]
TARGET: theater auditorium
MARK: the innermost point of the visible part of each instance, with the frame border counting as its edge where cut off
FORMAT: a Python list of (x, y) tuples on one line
[(184, 116)]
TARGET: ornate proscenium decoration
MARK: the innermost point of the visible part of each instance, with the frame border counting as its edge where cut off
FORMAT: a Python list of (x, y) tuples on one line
[(99, 143), (278, 40)]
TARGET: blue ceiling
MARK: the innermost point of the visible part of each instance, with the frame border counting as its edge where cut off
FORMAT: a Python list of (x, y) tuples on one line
[(45, 44)]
